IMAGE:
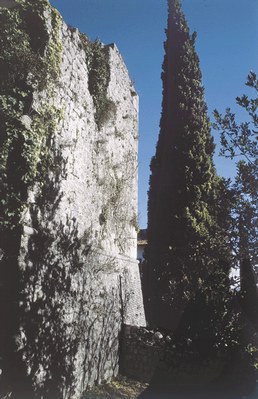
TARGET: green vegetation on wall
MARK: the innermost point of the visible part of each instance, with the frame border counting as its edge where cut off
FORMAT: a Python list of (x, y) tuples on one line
[(30, 60), (97, 59)]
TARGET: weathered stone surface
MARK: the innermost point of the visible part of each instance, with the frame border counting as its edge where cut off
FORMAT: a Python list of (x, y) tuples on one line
[(78, 269), (26, 121)]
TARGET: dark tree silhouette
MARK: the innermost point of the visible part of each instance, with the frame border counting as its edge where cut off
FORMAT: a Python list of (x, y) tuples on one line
[(183, 234)]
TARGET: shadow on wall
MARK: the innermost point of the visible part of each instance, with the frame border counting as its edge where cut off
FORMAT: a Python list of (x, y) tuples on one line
[(67, 320)]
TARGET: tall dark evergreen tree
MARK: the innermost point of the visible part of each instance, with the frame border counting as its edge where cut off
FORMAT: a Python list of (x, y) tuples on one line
[(182, 225)]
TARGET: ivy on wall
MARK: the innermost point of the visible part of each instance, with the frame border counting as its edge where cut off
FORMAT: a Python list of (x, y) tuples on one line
[(97, 60), (30, 58)]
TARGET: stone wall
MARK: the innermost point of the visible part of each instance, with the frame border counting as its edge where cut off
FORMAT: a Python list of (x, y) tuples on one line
[(76, 230), (155, 357), (141, 353)]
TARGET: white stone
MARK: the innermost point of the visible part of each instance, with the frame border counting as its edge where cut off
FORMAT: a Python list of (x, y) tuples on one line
[(26, 121), (27, 230), (158, 336)]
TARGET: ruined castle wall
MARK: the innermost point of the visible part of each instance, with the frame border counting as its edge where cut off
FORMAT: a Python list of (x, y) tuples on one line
[(79, 278)]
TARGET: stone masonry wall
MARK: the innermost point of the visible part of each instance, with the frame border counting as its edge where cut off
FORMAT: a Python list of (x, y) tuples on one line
[(77, 269), (141, 352), (155, 357)]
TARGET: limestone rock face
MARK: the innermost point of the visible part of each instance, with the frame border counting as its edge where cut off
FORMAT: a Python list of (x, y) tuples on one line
[(79, 277)]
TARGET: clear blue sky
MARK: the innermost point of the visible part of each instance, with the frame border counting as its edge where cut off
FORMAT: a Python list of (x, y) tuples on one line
[(227, 45)]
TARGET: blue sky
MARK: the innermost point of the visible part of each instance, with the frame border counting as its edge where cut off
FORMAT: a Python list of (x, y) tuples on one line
[(227, 45)]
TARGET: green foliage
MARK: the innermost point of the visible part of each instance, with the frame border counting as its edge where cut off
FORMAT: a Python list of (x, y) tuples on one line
[(17, 58), (30, 61), (184, 237), (99, 75), (240, 140), (25, 66), (55, 47), (249, 294), (210, 322)]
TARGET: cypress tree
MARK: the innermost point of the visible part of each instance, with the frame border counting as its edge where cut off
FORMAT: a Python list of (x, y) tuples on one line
[(182, 236)]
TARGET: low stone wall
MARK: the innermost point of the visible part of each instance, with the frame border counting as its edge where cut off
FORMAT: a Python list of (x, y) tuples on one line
[(141, 352), (152, 356)]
